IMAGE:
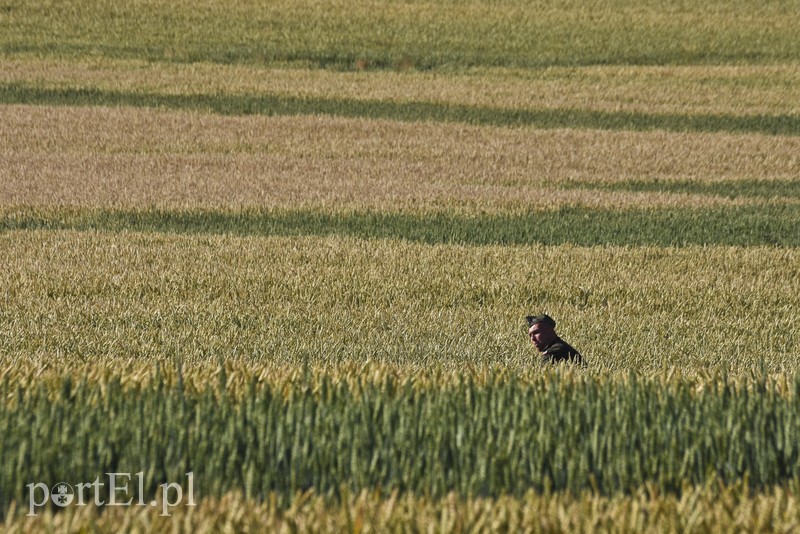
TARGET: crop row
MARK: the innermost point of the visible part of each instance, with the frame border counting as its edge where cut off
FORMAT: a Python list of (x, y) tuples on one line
[(409, 35), (669, 227), (714, 508), (781, 124), (496, 438), (736, 90), (135, 158)]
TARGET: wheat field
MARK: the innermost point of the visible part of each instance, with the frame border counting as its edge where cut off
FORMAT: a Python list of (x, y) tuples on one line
[(291, 248)]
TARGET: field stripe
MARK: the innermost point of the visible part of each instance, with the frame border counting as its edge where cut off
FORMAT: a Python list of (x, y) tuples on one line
[(400, 439), (737, 90), (779, 124), (409, 34), (736, 226), (785, 189), (136, 158), (729, 508)]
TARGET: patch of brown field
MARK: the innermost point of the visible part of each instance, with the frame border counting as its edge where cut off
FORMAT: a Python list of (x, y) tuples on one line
[(734, 90), (713, 508), (114, 157)]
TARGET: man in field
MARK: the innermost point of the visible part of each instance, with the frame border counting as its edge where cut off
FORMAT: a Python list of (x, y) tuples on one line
[(542, 331)]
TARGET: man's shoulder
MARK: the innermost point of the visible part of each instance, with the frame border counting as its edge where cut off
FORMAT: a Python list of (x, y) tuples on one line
[(559, 345), (560, 350)]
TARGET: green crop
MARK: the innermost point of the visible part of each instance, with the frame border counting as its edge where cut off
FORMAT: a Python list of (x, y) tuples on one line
[(409, 34), (739, 226), (499, 438)]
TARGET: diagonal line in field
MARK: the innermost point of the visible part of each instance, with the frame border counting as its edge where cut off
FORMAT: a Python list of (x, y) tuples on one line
[(227, 104)]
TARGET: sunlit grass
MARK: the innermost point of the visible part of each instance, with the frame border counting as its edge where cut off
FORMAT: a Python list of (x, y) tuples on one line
[(716, 509), (408, 35), (139, 158), (85, 296)]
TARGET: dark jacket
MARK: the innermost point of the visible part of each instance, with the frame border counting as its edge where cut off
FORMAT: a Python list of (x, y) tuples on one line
[(561, 351)]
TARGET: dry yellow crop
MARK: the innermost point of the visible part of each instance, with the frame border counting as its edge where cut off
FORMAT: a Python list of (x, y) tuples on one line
[(132, 158), (714, 509)]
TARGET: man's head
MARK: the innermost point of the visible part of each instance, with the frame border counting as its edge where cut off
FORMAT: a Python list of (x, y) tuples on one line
[(541, 330)]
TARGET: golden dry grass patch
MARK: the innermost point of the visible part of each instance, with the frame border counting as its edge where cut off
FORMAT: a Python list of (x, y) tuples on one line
[(132, 158), (240, 374), (735, 90), (715, 508)]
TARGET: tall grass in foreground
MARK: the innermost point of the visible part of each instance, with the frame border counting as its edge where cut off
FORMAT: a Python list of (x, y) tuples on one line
[(496, 438), (712, 508)]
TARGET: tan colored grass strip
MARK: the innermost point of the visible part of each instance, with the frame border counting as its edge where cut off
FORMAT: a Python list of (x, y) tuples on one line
[(49, 372), (713, 509), (734, 90), (128, 158)]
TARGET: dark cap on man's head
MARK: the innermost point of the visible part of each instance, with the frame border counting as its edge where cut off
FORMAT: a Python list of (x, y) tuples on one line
[(543, 318)]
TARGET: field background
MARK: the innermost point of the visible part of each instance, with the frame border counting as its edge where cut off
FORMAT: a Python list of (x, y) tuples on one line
[(318, 227)]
